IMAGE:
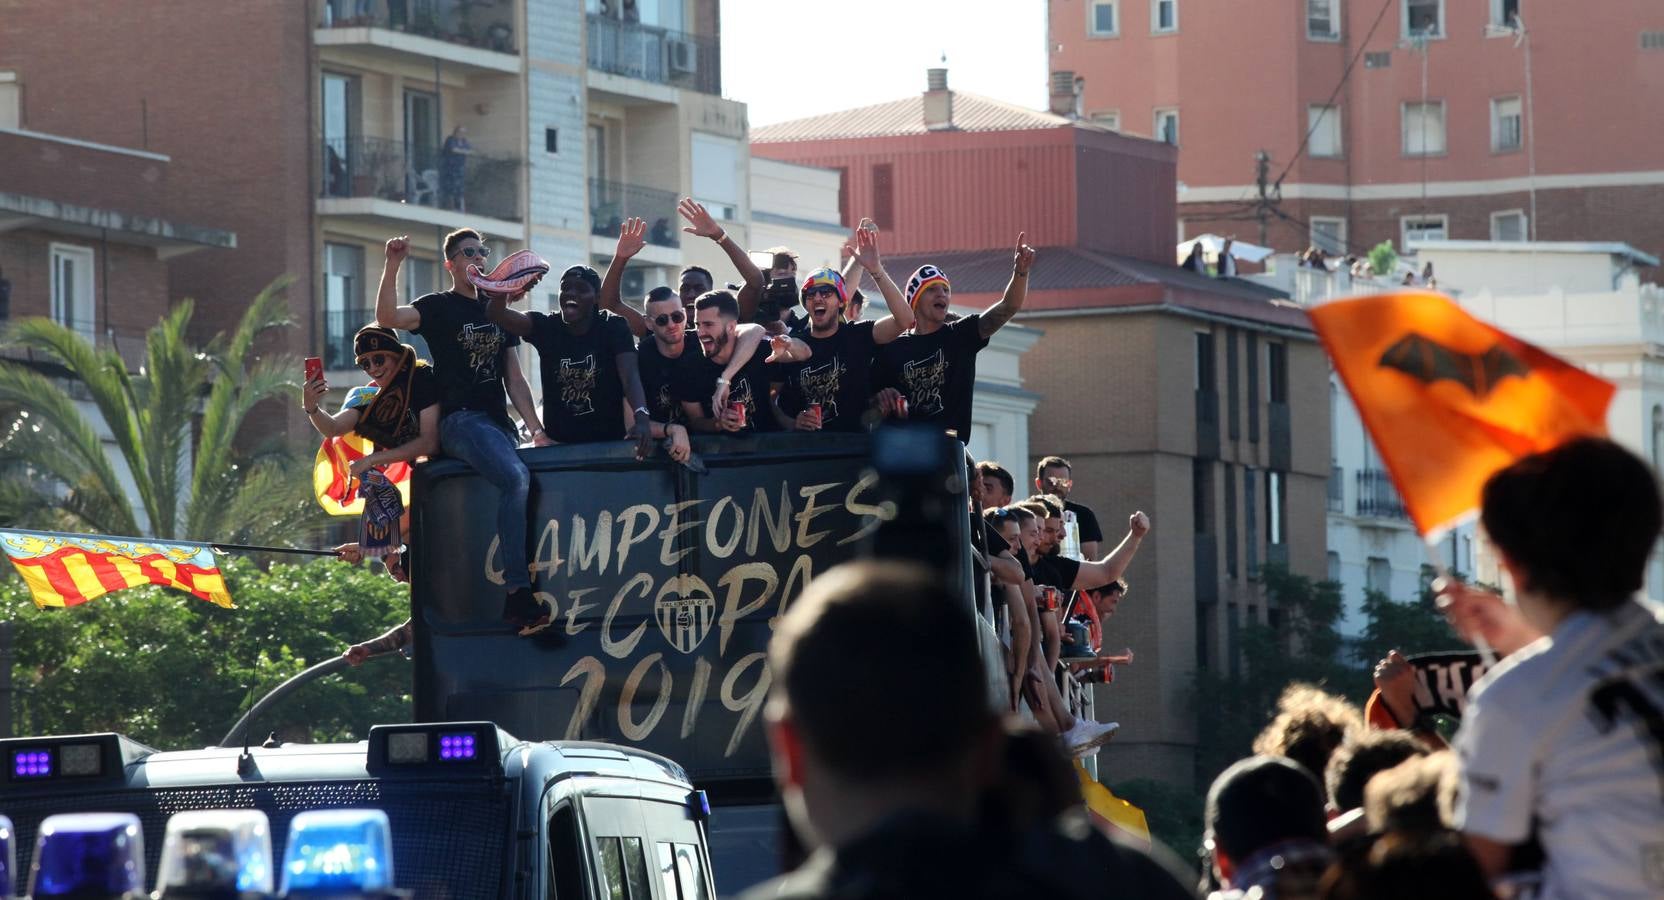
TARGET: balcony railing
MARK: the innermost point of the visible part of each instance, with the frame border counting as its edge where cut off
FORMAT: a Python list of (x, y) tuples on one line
[(611, 202), (339, 327), (1337, 489), (1377, 497), (486, 24), (653, 54), (474, 183)]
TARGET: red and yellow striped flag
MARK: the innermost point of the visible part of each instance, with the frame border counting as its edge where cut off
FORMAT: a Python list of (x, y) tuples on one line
[(1110, 812), (332, 481), (70, 569)]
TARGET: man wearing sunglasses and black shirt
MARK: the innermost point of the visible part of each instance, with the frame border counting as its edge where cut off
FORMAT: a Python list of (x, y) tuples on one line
[(474, 362), (831, 391)]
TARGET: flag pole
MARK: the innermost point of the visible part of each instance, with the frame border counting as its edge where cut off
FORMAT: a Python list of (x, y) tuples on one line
[(214, 547)]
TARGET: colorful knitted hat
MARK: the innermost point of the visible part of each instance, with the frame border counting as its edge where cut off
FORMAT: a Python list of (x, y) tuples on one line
[(824, 276), (923, 278)]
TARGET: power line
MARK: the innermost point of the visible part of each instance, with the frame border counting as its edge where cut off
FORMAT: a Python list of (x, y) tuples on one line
[(1330, 103)]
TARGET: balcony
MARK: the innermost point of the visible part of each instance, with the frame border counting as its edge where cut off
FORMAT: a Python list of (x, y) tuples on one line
[(657, 55), (474, 34), (611, 202), (418, 184), (1378, 498), (339, 327)]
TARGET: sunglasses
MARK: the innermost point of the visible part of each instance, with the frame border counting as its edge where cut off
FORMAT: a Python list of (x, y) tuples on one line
[(663, 319), (473, 252), (371, 360), (820, 290), (1062, 482)]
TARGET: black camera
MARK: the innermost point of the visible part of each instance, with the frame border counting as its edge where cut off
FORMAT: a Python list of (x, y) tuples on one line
[(779, 295)]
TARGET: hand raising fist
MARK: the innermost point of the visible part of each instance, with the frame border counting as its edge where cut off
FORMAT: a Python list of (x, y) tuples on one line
[(1139, 524), (398, 248)]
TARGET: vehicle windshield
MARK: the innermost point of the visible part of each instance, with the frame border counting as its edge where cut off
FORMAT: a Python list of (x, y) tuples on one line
[(448, 836)]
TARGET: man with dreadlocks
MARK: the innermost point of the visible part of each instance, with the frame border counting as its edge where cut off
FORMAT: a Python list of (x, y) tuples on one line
[(933, 367)]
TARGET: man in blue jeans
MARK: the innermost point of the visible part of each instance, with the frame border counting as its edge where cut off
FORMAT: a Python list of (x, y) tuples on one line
[(474, 363)]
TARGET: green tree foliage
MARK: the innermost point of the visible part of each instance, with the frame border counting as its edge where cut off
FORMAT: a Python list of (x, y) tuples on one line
[(175, 672), (174, 423), (1383, 259)]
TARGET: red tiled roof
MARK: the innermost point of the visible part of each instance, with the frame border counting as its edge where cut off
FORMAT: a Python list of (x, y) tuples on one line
[(1078, 278), (906, 116)]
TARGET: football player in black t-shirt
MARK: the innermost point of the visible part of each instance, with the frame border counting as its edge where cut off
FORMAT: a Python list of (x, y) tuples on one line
[(934, 366), (1055, 476), (830, 392)]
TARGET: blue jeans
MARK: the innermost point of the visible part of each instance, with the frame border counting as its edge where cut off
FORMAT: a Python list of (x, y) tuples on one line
[(474, 438)]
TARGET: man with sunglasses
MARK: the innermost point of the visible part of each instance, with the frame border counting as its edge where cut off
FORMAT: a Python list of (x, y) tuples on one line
[(474, 362), (1055, 476), (831, 391)]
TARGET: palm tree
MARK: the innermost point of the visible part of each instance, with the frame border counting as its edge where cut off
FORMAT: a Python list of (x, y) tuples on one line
[(174, 422)]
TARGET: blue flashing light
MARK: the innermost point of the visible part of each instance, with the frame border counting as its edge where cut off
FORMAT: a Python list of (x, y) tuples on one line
[(216, 851), (32, 763), (332, 851), (699, 803), (457, 747), (88, 855), (8, 857)]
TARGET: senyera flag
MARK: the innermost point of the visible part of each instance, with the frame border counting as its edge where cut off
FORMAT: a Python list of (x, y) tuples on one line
[(1111, 813), (70, 569), (332, 481), (1449, 400)]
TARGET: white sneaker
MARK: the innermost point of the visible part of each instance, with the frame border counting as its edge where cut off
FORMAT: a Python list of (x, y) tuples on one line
[(1085, 738)]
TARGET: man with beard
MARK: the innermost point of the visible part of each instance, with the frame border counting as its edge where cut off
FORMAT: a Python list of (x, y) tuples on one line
[(1055, 476), (933, 367), (588, 363), (747, 405), (831, 390)]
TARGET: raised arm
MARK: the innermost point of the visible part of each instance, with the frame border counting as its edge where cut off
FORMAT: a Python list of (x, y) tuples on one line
[(630, 242), (867, 256), (389, 313), (311, 403), (506, 317), (1113, 566), (995, 317), (703, 224)]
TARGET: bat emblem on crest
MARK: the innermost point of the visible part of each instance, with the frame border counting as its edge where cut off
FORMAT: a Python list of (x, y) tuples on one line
[(1429, 361)]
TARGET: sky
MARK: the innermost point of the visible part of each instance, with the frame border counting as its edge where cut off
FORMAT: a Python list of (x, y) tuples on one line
[(782, 58)]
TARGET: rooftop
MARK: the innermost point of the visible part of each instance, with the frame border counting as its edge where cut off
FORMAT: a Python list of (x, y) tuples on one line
[(971, 113), (1074, 278), (1610, 248)]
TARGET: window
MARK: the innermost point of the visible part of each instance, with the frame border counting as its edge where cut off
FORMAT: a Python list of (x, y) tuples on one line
[(1508, 225), (1100, 18), (1424, 128), (1233, 411), (1333, 560), (11, 100), (1250, 521), (597, 152), (1276, 502), (1230, 520), (566, 855), (1253, 359), (72, 288), (623, 869), (884, 195), (681, 872), (551, 140), (1205, 378), (1323, 130), (1378, 576), (344, 311), (1201, 496), (1506, 126), (1423, 228), (1328, 234), (1167, 126), (1164, 16), (1323, 20), (1108, 118), (421, 130), (1504, 11), (1652, 40), (1423, 17), (1276, 371), (339, 120), (716, 178)]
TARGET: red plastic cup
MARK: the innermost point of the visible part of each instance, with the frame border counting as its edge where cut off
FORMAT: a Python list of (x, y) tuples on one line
[(739, 410), (815, 408)]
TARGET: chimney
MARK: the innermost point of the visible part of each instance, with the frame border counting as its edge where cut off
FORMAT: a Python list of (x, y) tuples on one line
[(938, 101), (1065, 89)]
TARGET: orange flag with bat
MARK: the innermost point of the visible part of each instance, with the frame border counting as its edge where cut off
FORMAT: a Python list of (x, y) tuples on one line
[(1449, 400)]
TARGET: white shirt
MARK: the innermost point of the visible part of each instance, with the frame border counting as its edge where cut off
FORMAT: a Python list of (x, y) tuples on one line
[(1566, 738)]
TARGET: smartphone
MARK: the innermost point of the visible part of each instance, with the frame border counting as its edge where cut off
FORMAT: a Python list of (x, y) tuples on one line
[(314, 368)]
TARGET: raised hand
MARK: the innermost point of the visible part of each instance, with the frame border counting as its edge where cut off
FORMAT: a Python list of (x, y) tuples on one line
[(632, 236), (312, 393), (398, 248), (1023, 257), (1139, 524), (865, 248), (700, 220)]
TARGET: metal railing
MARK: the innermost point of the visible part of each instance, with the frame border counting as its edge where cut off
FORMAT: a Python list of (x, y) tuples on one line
[(486, 24), (659, 55), (474, 183), (611, 202), (1337, 489), (1377, 497), (339, 327)]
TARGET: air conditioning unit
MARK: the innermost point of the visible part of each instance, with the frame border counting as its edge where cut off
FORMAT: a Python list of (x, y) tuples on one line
[(684, 56)]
